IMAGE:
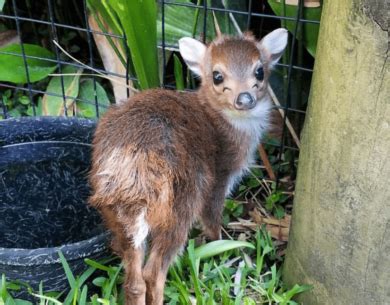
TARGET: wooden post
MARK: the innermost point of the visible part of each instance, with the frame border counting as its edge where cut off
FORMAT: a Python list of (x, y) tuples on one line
[(340, 235)]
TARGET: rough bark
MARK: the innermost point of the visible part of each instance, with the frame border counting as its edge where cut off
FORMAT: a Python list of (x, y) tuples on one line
[(340, 236)]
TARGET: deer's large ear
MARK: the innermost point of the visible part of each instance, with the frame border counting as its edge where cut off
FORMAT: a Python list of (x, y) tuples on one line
[(193, 52), (272, 46)]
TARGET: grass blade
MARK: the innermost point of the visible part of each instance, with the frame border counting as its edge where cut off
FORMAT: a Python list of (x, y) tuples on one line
[(3, 288), (296, 290), (76, 294), (46, 298), (83, 295), (194, 270), (97, 265), (113, 280), (217, 247), (42, 301), (68, 271)]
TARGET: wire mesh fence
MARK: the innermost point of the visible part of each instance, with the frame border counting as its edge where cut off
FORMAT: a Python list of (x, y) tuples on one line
[(53, 58)]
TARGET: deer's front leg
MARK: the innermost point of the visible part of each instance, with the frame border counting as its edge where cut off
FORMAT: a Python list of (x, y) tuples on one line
[(211, 215)]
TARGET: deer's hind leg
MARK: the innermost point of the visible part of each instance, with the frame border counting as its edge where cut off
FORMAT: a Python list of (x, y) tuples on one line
[(135, 287), (119, 241), (129, 233), (165, 246), (165, 242)]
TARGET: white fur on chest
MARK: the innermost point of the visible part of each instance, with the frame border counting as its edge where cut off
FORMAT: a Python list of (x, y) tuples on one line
[(254, 124)]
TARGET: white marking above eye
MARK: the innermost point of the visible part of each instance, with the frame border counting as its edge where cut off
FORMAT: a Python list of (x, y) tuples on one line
[(226, 72), (256, 65)]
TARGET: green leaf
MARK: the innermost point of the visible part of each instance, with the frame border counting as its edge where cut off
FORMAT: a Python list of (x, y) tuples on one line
[(257, 172), (216, 247), (278, 298), (178, 67), (15, 113), (252, 182), (297, 289), (249, 301), (103, 301), (24, 100), (182, 21), (273, 281), (242, 188), (103, 8), (13, 286), (100, 281), (279, 212), (2, 2), (86, 107), (22, 302), (108, 23), (272, 199), (138, 18), (12, 67), (94, 299), (38, 108), (310, 30), (238, 210), (230, 204), (54, 105)]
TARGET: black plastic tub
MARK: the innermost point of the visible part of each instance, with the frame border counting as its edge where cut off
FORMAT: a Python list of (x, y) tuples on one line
[(44, 163)]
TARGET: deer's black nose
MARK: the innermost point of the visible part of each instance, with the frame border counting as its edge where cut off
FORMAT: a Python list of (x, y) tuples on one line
[(244, 101)]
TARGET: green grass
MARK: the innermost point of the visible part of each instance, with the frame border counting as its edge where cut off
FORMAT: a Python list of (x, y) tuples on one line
[(222, 272)]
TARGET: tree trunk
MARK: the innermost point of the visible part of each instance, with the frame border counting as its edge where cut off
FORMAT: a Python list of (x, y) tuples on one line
[(340, 235)]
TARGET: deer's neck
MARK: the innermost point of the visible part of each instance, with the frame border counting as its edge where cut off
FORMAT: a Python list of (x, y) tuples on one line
[(241, 133)]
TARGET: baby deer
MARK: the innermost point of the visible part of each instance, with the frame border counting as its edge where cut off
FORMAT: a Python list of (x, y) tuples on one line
[(164, 159)]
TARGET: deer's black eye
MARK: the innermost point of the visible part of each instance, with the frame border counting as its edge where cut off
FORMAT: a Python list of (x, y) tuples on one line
[(217, 78), (259, 73)]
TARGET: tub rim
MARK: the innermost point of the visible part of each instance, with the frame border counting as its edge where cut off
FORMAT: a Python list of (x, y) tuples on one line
[(49, 255)]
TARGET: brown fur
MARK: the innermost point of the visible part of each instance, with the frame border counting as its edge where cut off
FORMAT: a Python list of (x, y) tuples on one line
[(183, 160), (165, 158), (234, 57)]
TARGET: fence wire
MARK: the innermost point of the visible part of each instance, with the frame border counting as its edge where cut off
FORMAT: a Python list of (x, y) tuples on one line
[(42, 22)]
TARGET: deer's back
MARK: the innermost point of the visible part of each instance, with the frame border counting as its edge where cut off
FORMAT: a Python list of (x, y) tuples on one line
[(157, 147)]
